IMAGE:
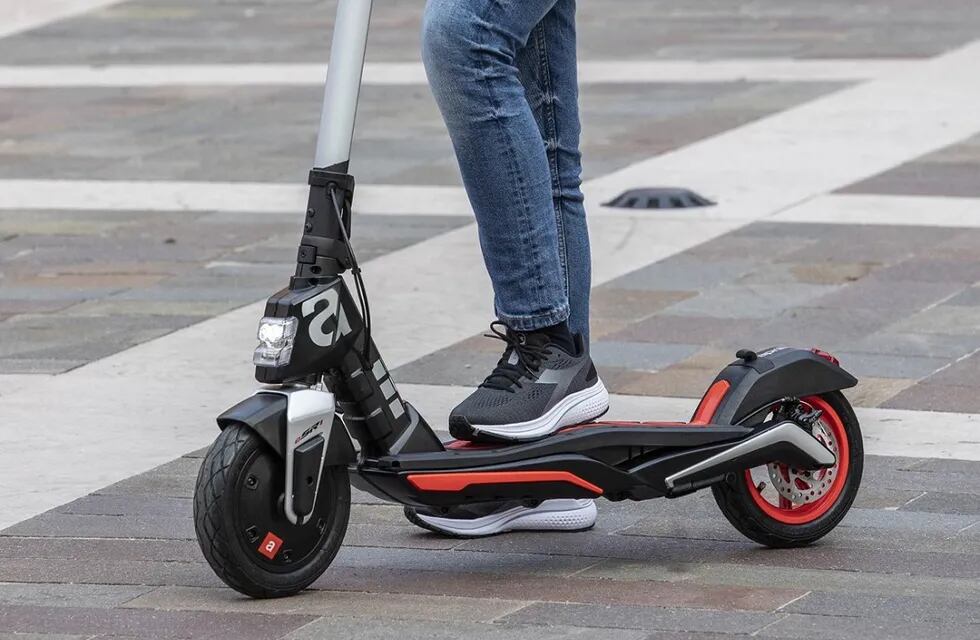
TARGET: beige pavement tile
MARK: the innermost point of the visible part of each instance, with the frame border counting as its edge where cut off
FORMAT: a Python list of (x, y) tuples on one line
[(928, 396), (631, 304), (389, 605), (872, 392), (832, 272), (674, 381), (682, 329)]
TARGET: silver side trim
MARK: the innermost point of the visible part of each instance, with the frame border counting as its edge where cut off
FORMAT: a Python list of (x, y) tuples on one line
[(309, 413), (788, 432)]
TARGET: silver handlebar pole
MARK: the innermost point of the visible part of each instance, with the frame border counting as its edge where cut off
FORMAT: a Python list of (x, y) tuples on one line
[(340, 96)]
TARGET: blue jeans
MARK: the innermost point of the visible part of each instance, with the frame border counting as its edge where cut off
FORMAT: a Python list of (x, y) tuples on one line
[(504, 75)]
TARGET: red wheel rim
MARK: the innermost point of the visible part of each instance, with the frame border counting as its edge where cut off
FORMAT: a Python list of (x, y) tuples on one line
[(788, 512)]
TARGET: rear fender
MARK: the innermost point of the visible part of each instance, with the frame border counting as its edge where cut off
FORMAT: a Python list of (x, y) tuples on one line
[(752, 383)]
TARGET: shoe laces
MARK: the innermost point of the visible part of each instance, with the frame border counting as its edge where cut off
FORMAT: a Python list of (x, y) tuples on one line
[(530, 355)]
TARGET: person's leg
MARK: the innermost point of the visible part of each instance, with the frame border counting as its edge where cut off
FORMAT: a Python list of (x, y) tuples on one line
[(549, 72), (491, 65), (470, 50), (517, 148)]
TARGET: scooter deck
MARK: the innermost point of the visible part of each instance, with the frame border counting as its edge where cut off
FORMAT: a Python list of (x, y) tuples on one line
[(616, 460)]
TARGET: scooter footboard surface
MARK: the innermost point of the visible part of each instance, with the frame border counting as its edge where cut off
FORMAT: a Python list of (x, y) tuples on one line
[(559, 476)]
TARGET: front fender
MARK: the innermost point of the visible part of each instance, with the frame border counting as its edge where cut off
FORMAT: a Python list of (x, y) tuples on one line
[(775, 374), (265, 413)]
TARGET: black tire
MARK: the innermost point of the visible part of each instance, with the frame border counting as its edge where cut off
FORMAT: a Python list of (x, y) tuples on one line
[(238, 500), (739, 507)]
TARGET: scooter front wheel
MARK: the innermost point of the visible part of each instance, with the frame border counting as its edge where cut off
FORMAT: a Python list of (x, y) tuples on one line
[(242, 527), (779, 506)]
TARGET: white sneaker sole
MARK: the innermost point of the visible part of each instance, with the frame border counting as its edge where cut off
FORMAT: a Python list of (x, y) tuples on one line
[(576, 408), (550, 515)]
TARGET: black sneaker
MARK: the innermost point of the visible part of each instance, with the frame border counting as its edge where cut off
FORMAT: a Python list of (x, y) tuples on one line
[(488, 519), (538, 387)]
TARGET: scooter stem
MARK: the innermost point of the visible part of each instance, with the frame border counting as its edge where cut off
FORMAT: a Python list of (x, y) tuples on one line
[(343, 86)]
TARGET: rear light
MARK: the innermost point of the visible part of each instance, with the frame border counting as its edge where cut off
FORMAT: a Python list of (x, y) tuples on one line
[(826, 356)]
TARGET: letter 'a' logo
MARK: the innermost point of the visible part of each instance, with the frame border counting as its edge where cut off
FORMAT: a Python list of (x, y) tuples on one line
[(332, 309)]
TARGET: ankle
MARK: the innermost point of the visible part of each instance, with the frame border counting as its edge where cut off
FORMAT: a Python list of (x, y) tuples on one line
[(561, 336)]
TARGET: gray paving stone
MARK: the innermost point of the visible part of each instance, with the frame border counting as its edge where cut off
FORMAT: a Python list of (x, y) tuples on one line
[(73, 338), (394, 537), (924, 177), (109, 505), (137, 622), (530, 563), (946, 608), (681, 273), (807, 327), (940, 502), (926, 396), (968, 298), (258, 139), (674, 329), (750, 300), (743, 244), (98, 526), (638, 30), (881, 291), (379, 629), (386, 514), (940, 466), (964, 371), (843, 581), (41, 636), (69, 595), (888, 365), (665, 619), (608, 302), (85, 549), (908, 519), (642, 356), (820, 626), (946, 320), (548, 589), (38, 365), (668, 550), (107, 570), (932, 269), (929, 345), (452, 366), (390, 606)]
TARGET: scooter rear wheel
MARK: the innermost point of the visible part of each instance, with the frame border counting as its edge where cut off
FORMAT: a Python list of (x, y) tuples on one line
[(782, 507), (242, 527)]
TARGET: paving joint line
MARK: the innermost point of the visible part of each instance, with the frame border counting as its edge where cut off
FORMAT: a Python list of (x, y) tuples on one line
[(951, 364), (912, 500), (796, 599), (764, 627)]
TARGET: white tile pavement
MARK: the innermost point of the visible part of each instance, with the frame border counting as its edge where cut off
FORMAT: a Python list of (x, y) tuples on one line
[(412, 73), (929, 211)]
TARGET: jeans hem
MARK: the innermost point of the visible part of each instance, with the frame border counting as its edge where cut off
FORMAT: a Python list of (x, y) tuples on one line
[(536, 321)]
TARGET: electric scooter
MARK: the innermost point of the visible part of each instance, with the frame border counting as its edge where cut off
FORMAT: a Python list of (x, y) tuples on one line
[(773, 437)]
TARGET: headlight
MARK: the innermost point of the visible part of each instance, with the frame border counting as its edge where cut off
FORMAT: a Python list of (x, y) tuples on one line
[(275, 342)]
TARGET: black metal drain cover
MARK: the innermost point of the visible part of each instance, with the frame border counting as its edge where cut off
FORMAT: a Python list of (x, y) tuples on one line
[(659, 198)]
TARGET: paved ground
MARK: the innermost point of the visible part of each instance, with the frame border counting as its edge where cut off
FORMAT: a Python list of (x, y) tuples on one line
[(127, 318)]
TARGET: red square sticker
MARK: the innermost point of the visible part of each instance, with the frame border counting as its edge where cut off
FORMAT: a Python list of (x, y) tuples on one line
[(270, 545)]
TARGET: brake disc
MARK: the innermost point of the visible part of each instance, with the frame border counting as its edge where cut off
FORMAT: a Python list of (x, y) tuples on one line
[(801, 486)]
